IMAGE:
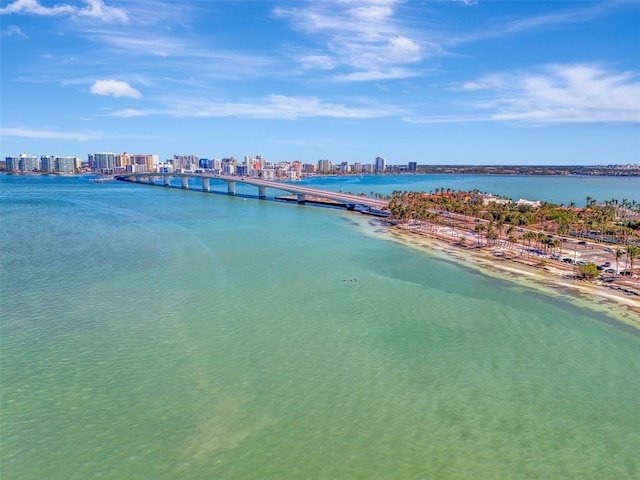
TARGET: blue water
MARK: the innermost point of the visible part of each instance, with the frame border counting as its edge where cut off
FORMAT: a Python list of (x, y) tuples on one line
[(552, 189), (159, 333)]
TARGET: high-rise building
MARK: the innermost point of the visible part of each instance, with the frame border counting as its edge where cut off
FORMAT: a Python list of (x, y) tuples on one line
[(23, 163), (123, 160), (181, 162), (66, 164), (413, 166), (103, 162), (325, 166), (12, 164), (48, 163), (381, 164)]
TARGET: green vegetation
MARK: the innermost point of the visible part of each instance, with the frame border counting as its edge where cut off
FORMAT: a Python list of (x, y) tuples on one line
[(611, 221), (588, 271)]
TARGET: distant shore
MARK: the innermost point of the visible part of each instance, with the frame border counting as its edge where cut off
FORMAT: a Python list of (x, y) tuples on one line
[(533, 170), (619, 299)]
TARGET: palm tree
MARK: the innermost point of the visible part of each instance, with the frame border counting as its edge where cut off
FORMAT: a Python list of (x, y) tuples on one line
[(478, 229), (509, 231), (633, 252)]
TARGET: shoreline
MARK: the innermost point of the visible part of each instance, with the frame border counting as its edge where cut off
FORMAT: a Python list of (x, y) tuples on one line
[(621, 307)]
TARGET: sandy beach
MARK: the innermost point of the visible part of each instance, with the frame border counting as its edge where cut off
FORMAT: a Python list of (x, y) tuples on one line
[(619, 299)]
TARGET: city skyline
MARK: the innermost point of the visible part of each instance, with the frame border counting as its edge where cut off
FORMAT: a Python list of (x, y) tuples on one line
[(451, 82)]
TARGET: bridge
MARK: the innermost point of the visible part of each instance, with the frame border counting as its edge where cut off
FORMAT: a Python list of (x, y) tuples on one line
[(349, 200)]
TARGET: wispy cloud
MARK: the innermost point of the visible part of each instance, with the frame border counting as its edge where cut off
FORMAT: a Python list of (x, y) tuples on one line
[(47, 134), (92, 9), (363, 37), (557, 93), (506, 27), (12, 31), (573, 93), (270, 106), (114, 88)]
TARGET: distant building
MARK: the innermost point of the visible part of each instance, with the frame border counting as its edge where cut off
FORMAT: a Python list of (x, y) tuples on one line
[(381, 164), (103, 162), (487, 199), (185, 162), (67, 164), (136, 168), (325, 166), (228, 168), (122, 161), (413, 166), (268, 174), (309, 168), (528, 203), (48, 163)]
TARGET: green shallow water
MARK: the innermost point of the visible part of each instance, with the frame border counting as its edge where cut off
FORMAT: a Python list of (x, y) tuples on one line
[(155, 333)]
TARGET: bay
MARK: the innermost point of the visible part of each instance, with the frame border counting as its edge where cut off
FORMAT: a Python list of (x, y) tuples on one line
[(159, 333), (564, 190)]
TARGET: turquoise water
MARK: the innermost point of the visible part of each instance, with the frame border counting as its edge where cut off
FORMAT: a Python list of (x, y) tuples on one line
[(158, 333)]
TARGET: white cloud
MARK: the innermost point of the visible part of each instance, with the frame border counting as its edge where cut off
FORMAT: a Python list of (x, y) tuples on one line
[(365, 38), (47, 134), (32, 7), (13, 30), (571, 93), (317, 61), (462, 118), (93, 9), (114, 88), (270, 106), (557, 93), (502, 28), (376, 75)]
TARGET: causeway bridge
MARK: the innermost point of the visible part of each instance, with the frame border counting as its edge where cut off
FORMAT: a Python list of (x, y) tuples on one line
[(349, 200)]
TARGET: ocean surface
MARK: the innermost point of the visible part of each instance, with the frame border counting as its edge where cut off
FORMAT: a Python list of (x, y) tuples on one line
[(553, 189), (154, 333)]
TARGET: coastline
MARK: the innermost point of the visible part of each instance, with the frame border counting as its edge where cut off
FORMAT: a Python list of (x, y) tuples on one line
[(623, 308)]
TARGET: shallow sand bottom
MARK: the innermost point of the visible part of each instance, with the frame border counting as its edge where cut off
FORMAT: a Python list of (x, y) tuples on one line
[(622, 307)]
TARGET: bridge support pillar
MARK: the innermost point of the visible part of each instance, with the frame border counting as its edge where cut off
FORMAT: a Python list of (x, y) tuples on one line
[(185, 182), (302, 198), (138, 178), (151, 179), (206, 185), (167, 181), (262, 192), (231, 187)]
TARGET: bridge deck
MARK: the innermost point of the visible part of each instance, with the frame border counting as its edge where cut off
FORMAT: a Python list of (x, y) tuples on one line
[(347, 198)]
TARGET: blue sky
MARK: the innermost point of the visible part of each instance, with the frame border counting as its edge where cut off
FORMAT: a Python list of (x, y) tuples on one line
[(437, 82)]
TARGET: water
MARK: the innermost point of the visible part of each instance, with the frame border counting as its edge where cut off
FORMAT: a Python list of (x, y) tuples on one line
[(552, 189), (158, 333)]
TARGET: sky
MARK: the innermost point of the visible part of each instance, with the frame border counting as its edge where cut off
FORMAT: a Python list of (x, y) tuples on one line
[(434, 81)]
